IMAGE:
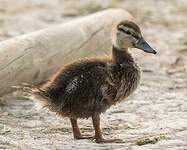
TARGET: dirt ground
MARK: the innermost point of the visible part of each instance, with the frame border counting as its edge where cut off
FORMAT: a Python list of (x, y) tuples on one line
[(156, 113)]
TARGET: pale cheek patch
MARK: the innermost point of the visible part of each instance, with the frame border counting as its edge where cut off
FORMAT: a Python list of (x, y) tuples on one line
[(127, 43)]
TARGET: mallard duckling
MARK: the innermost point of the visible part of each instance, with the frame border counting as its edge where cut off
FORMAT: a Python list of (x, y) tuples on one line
[(88, 87)]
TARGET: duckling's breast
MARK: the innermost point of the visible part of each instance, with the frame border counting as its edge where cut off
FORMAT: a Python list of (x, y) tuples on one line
[(128, 78)]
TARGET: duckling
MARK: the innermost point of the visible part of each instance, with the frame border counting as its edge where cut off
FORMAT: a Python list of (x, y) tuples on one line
[(88, 87)]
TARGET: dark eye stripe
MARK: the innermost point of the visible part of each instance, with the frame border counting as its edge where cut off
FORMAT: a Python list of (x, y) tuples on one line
[(127, 32), (135, 36)]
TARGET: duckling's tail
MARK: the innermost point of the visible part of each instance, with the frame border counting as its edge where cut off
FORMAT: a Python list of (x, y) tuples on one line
[(34, 93)]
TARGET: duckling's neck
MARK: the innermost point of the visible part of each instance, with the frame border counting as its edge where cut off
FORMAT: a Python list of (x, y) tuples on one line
[(121, 56)]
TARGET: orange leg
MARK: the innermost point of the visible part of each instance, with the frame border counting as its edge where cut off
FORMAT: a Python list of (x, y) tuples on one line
[(98, 134), (76, 131)]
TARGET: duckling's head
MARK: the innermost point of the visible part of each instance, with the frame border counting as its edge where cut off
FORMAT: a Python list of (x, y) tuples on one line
[(127, 34)]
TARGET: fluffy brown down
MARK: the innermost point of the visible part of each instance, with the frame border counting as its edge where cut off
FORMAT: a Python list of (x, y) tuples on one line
[(90, 85)]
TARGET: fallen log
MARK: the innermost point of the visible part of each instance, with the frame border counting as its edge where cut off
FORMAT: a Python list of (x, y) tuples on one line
[(33, 57)]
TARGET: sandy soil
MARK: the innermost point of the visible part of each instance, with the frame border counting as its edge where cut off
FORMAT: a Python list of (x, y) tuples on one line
[(157, 110)]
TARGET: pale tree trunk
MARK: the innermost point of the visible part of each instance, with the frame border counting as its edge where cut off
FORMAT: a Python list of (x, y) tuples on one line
[(33, 57)]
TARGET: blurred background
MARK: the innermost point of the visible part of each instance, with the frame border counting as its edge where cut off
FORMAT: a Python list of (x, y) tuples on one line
[(159, 106)]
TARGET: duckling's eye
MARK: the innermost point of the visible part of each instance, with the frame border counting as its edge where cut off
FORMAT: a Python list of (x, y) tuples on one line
[(128, 32)]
